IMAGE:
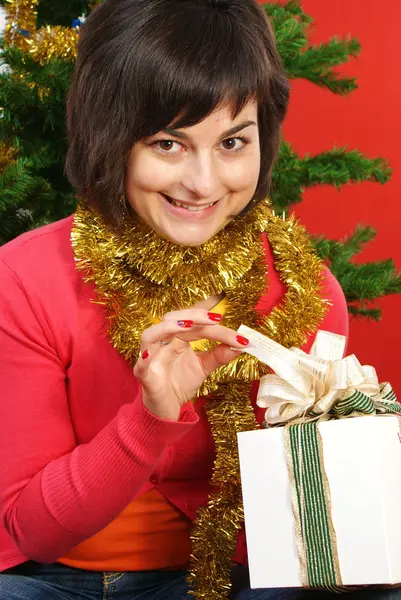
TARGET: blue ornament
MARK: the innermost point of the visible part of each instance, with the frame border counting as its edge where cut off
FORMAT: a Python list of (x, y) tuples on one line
[(76, 23)]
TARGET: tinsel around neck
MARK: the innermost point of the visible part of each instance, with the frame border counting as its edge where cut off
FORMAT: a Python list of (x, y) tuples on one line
[(139, 276), (203, 270)]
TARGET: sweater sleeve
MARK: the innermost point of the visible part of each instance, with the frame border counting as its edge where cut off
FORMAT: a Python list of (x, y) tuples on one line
[(53, 492)]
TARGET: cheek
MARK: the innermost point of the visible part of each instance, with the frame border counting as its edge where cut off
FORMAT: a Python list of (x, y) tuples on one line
[(244, 176), (149, 174)]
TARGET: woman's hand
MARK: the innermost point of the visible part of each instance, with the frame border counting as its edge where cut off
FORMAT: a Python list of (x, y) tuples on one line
[(169, 370)]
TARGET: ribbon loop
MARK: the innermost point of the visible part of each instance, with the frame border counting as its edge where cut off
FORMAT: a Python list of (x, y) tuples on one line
[(321, 384), (356, 403)]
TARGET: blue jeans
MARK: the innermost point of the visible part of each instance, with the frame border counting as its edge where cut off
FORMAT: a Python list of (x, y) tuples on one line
[(32, 581)]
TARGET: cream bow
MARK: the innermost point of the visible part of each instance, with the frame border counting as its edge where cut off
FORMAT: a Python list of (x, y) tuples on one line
[(316, 384)]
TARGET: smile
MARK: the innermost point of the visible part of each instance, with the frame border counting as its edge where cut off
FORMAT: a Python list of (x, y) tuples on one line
[(189, 207)]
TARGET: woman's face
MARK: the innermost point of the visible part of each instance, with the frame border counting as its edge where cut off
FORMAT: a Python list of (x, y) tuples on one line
[(188, 184)]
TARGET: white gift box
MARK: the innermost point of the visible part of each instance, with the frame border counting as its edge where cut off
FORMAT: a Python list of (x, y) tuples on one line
[(362, 460)]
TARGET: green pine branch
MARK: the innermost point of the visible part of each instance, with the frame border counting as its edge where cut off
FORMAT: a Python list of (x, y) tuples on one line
[(22, 193), (306, 61), (33, 98), (290, 9), (34, 188), (363, 283), (317, 62), (289, 29), (332, 250), (29, 200), (339, 166)]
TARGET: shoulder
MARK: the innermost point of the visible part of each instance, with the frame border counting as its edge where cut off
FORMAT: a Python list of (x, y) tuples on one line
[(38, 240), (39, 252), (42, 293), (39, 280)]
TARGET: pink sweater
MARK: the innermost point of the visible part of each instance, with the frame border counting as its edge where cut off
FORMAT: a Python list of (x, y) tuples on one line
[(77, 445)]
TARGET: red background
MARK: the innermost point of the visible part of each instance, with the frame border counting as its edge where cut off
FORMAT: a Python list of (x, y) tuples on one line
[(370, 120)]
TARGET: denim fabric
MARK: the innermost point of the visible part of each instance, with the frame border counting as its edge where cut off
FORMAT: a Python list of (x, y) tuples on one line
[(32, 581)]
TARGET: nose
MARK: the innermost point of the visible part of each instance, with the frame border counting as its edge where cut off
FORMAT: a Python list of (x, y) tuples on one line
[(200, 176)]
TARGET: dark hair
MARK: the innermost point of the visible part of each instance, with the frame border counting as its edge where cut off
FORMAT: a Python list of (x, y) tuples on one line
[(144, 65)]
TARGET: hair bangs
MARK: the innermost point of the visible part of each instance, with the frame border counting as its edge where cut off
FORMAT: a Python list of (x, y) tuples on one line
[(205, 64)]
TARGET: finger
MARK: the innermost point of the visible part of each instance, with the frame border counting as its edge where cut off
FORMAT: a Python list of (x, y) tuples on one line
[(142, 364), (199, 316), (165, 331), (221, 334), (189, 331), (167, 353), (178, 321), (217, 357), (158, 358)]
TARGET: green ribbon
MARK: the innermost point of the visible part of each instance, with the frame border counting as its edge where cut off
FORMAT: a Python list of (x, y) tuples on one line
[(311, 501)]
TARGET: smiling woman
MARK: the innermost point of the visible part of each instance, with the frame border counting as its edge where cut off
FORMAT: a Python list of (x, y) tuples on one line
[(123, 380), (211, 58)]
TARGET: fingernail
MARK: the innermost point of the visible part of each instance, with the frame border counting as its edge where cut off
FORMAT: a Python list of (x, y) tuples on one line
[(185, 324), (242, 340), (145, 354), (215, 317)]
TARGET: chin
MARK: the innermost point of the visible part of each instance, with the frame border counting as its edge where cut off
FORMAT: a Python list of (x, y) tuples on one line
[(188, 239), (187, 242)]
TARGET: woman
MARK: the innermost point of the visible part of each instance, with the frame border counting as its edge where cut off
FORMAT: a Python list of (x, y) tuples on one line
[(174, 119)]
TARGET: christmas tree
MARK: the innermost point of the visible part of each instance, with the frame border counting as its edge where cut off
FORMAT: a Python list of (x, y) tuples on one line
[(38, 51)]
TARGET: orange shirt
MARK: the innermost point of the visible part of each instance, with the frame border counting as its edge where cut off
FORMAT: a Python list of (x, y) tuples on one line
[(149, 534)]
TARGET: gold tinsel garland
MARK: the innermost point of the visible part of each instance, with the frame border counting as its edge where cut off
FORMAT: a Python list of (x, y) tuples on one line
[(21, 18), (142, 276), (214, 534), (43, 44), (139, 276), (54, 42)]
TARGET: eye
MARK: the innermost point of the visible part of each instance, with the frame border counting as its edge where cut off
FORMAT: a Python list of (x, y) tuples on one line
[(167, 146), (235, 144)]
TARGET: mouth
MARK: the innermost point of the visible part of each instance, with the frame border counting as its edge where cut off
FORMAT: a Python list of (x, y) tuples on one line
[(193, 208)]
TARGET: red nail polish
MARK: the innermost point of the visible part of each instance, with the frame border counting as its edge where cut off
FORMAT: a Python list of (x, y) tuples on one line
[(215, 317), (145, 355), (185, 324), (242, 340)]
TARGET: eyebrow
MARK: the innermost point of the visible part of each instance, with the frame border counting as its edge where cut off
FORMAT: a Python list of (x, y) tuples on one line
[(183, 136)]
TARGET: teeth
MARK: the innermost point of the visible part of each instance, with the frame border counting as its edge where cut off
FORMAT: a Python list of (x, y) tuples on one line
[(191, 208)]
